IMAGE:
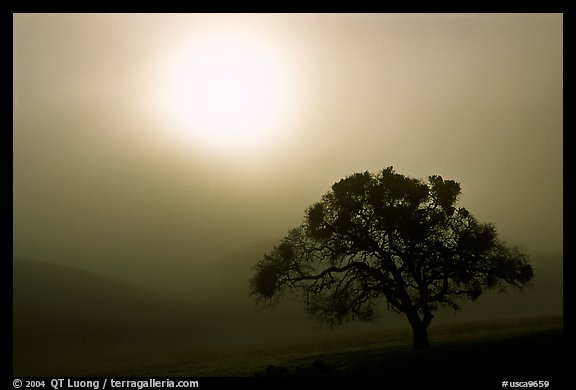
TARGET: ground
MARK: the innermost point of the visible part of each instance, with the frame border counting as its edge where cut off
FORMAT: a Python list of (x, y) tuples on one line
[(528, 349)]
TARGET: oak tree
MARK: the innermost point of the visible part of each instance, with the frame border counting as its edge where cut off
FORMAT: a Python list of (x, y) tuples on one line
[(388, 240)]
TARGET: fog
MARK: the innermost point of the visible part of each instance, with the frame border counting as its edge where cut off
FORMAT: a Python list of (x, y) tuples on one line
[(105, 183)]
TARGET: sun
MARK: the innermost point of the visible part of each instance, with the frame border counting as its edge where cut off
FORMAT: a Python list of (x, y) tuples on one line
[(227, 88)]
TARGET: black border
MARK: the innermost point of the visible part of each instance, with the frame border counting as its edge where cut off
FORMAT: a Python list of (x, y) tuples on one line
[(483, 380)]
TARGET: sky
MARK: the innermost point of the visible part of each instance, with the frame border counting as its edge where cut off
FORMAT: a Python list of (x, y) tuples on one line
[(158, 147)]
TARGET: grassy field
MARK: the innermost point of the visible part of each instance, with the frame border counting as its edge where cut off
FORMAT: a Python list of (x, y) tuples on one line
[(517, 351), (513, 347), (525, 348)]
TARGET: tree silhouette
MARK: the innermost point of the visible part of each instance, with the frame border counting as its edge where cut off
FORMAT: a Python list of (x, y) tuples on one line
[(388, 239)]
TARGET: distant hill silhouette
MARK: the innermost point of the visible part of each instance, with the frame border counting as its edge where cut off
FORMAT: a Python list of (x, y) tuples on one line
[(68, 320), (58, 305)]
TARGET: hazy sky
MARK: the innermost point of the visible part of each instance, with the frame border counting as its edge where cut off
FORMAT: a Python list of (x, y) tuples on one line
[(152, 144)]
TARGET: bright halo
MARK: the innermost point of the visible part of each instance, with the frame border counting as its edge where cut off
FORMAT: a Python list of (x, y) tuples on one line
[(227, 89)]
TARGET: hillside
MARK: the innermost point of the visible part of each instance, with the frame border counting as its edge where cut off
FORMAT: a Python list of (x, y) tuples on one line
[(68, 320)]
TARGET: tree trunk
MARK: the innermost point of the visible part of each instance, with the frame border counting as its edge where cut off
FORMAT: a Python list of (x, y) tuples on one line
[(419, 332)]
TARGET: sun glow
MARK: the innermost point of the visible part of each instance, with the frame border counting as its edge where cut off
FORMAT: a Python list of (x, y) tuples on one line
[(227, 89)]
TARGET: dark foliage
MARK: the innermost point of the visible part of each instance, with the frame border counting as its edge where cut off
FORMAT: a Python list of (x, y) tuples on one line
[(388, 239)]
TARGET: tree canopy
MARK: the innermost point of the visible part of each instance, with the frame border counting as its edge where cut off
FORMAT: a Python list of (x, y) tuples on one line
[(388, 240)]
